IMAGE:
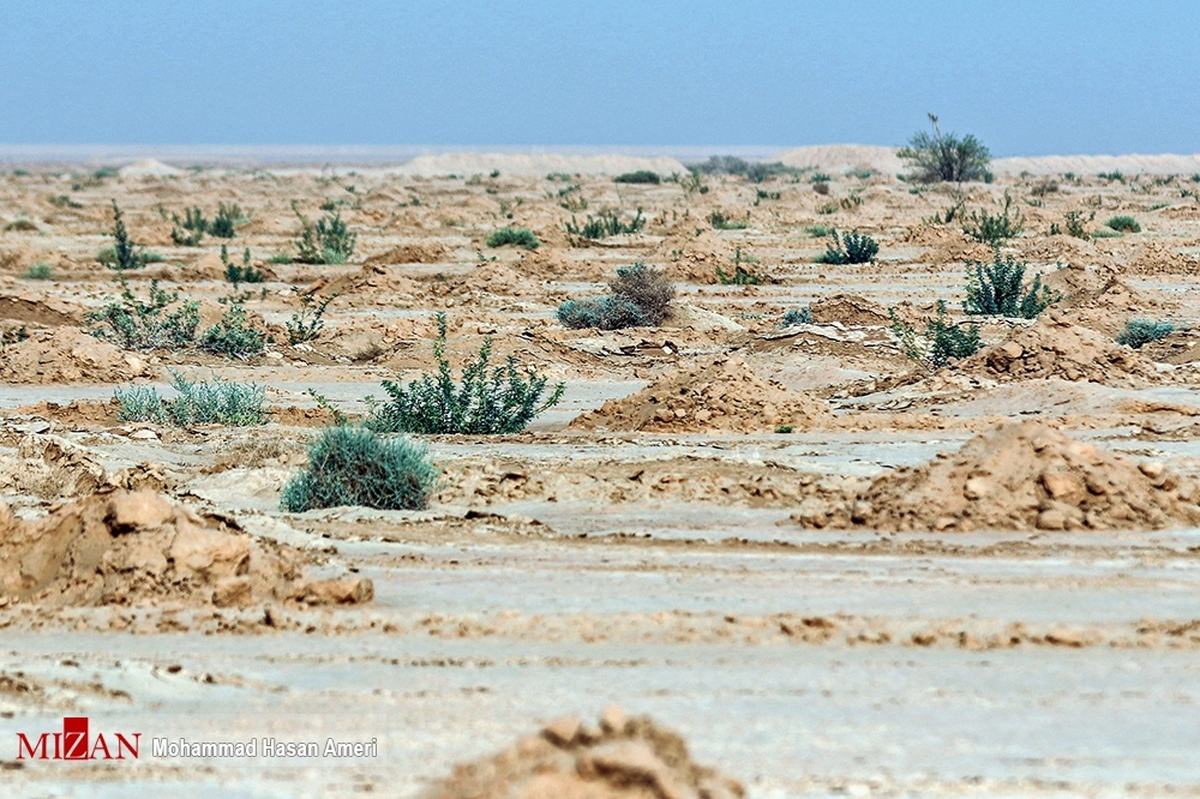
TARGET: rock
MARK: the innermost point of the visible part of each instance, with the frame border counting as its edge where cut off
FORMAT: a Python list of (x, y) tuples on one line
[(1064, 485), (563, 730), (131, 511), (1152, 469), (350, 591), (976, 488), (233, 592), (613, 720)]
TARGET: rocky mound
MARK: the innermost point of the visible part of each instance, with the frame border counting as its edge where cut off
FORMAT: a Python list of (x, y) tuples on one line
[(947, 245), (626, 758), (41, 311), (369, 281), (50, 467), (1021, 477), (850, 310), (1158, 259), (721, 395), (68, 355), (133, 547), (1053, 347), (415, 253)]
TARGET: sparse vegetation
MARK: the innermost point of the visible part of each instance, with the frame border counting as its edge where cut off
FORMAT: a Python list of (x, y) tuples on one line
[(306, 324), (796, 316), (225, 223), (722, 222), (233, 336), (640, 176), (162, 322), (998, 289), (1124, 224), (945, 158), (240, 273), (215, 402), (1139, 332), (189, 231), (328, 241), (853, 248), (995, 229), (124, 253), (516, 236), (640, 295), (486, 401), (756, 171), (353, 466), (40, 270), (941, 342), (608, 223), (741, 276)]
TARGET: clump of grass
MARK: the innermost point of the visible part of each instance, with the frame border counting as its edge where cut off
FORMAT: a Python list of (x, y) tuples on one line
[(1124, 224), (722, 222), (63, 201), (995, 229), (21, 226), (233, 336), (486, 401), (937, 158), (215, 402), (516, 236), (818, 231), (280, 258), (941, 342), (1138, 332), (640, 176), (225, 223), (329, 241), (640, 295), (240, 273), (608, 223), (353, 466), (38, 271), (796, 316), (160, 322), (853, 248), (998, 289)]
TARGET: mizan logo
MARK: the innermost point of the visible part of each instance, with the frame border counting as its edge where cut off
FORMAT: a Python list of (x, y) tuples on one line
[(75, 743)]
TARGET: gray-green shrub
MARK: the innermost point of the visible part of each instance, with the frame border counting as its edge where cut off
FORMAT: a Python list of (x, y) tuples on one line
[(853, 248), (941, 342), (1124, 224), (516, 236), (198, 402), (998, 289), (1138, 332), (936, 158), (233, 336), (160, 323), (329, 241)]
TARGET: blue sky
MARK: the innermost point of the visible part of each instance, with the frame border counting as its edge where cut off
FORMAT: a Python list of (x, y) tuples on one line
[(1028, 78)]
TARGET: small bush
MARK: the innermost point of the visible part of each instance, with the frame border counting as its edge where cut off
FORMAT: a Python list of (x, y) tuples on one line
[(647, 288), (995, 229), (137, 325), (329, 241), (352, 466), (853, 248), (796, 316), (609, 223), (757, 171), (306, 324), (997, 289), (63, 201), (1138, 332), (233, 336), (1110, 176), (1124, 224), (125, 254), (189, 231), (936, 158), (1075, 224), (240, 273), (941, 342), (487, 401), (640, 176), (517, 236), (216, 402), (224, 224), (722, 222), (39, 271), (604, 313), (741, 276)]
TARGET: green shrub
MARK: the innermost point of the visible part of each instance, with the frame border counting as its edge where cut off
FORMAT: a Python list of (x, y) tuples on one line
[(189, 231), (741, 276), (243, 273), (137, 325), (722, 222), (936, 158), (352, 466), (306, 324), (329, 241), (517, 236), (233, 336), (224, 224), (796, 316), (609, 223), (63, 201), (995, 229), (1075, 224), (941, 342), (280, 258), (756, 171), (997, 289), (1142, 331), (216, 402), (39, 271), (1110, 176), (125, 254), (640, 295), (640, 176), (605, 313), (853, 248), (487, 401), (1124, 224)]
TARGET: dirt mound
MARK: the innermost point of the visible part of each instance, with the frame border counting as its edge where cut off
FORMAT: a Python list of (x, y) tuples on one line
[(68, 355), (51, 467), (42, 311), (1053, 347), (722, 395), (850, 310), (124, 547), (1059, 248), (1021, 477), (416, 253), (1158, 259), (367, 281), (694, 258), (497, 277), (947, 245), (626, 758), (209, 267)]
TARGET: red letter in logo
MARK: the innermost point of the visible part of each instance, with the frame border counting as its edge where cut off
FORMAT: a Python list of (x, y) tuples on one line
[(36, 751), (75, 738)]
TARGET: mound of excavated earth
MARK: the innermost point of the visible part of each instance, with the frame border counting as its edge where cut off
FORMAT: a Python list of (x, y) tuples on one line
[(134, 547), (1053, 347), (626, 758), (68, 355), (722, 395), (1021, 477)]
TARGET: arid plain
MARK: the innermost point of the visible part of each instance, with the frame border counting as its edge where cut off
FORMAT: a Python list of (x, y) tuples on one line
[(831, 568)]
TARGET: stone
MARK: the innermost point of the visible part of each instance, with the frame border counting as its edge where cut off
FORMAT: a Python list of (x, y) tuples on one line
[(1064, 486), (130, 511), (563, 730)]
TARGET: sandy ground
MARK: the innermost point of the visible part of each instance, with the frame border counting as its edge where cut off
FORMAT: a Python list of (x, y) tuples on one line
[(901, 596)]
